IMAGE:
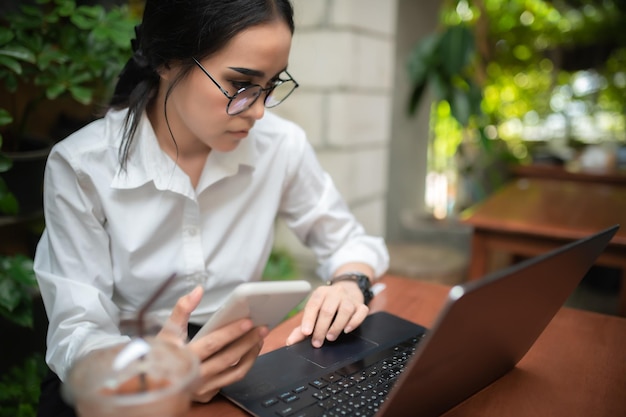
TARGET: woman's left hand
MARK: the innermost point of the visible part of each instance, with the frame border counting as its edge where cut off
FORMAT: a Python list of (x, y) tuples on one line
[(331, 309)]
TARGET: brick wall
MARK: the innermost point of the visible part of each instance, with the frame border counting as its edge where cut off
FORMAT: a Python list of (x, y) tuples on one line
[(343, 57)]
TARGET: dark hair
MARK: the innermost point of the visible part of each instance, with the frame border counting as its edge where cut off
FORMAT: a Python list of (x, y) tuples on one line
[(175, 31)]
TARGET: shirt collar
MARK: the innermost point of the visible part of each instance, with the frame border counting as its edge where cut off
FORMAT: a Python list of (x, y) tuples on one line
[(147, 162), (220, 165)]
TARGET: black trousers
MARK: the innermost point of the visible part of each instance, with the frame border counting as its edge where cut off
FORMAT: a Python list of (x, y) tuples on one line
[(51, 403)]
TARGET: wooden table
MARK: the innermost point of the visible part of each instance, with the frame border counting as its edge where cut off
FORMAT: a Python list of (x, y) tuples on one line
[(530, 216), (577, 367), (603, 176)]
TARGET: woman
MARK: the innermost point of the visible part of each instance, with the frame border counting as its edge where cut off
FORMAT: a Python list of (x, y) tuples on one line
[(186, 174)]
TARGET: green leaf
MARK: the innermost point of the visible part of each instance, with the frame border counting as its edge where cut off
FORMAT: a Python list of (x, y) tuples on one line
[(55, 90), (6, 35), (79, 75), (30, 10), (83, 95), (10, 296), (484, 140), (416, 97), (83, 22), (22, 316), (441, 86), (475, 95), (5, 119), (96, 12), (48, 56), (423, 58), (460, 106), (19, 267), (66, 8), (9, 204), (5, 164), (11, 64), (18, 52), (17, 283), (456, 49)]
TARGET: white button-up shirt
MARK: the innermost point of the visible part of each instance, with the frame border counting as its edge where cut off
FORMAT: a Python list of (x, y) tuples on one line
[(112, 236)]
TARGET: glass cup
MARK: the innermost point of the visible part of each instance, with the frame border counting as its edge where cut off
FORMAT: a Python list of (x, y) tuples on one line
[(141, 378)]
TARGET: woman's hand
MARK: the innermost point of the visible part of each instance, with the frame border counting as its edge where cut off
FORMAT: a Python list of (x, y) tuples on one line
[(331, 309), (226, 354)]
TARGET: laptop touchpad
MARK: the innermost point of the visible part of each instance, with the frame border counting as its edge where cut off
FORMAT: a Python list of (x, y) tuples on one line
[(346, 347)]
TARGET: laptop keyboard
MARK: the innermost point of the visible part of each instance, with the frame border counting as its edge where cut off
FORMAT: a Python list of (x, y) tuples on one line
[(358, 389)]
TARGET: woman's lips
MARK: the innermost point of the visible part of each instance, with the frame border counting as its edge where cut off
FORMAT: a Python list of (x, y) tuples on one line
[(240, 134)]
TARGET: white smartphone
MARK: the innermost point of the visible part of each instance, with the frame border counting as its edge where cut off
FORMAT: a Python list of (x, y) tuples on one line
[(266, 303)]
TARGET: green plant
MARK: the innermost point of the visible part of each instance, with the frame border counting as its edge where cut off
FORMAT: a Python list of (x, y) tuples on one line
[(57, 48), (18, 285), (509, 78), (445, 62), (20, 388), (8, 202), (280, 266), (529, 59)]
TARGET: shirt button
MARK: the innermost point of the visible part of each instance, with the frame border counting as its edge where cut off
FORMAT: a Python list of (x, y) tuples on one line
[(192, 231), (198, 278)]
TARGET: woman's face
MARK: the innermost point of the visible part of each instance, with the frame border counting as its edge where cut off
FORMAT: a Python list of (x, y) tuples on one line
[(196, 108)]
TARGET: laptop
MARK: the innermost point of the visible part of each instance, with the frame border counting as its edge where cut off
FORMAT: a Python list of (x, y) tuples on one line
[(391, 367)]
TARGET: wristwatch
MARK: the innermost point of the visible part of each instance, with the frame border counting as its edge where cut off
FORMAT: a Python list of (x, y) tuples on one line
[(362, 281)]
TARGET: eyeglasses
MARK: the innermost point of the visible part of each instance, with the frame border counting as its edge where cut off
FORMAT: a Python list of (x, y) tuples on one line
[(245, 97)]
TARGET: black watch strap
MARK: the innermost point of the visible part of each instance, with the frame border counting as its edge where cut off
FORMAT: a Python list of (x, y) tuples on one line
[(362, 281)]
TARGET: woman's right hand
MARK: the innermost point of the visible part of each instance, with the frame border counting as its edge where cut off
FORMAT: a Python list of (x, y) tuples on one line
[(226, 354)]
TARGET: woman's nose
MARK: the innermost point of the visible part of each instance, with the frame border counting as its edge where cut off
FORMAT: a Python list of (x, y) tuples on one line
[(257, 110)]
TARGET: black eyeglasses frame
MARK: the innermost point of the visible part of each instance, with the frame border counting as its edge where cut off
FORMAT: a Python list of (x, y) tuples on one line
[(261, 90)]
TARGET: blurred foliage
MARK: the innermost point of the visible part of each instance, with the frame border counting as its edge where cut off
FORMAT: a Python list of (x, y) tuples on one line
[(281, 265), (444, 61), (17, 288), (508, 74), (543, 58), (8, 202), (60, 48), (537, 58), (20, 388), (54, 49)]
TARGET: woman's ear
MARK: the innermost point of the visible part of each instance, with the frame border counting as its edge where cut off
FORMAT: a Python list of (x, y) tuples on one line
[(168, 72), (165, 72)]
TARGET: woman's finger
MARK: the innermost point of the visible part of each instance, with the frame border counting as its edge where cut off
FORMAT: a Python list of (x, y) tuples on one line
[(215, 341), (330, 311), (295, 336), (311, 311), (357, 318), (230, 364), (175, 328), (345, 314), (325, 317)]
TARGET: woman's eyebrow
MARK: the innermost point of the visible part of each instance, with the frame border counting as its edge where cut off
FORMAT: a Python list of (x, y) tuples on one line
[(251, 72), (248, 71)]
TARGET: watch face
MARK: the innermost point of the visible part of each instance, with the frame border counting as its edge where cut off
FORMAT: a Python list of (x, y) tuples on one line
[(364, 285), (364, 282)]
